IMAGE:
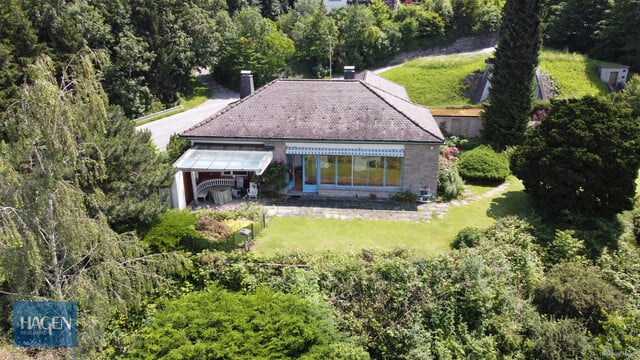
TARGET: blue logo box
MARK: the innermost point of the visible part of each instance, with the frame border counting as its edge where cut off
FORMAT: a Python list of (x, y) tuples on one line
[(48, 324)]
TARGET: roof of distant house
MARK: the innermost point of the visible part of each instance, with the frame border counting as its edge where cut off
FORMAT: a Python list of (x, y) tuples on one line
[(322, 110)]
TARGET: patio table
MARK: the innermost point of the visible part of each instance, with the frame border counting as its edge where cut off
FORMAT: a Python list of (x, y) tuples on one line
[(220, 195)]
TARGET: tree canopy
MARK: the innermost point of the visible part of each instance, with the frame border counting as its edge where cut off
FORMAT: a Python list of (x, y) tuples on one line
[(56, 241), (583, 158), (515, 62)]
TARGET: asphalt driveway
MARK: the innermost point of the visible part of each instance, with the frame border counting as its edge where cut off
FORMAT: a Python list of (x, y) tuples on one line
[(161, 130)]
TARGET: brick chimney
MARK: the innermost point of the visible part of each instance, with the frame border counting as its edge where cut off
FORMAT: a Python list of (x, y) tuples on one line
[(246, 83), (349, 72)]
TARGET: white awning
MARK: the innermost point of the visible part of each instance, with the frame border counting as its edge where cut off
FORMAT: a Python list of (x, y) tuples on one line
[(345, 149), (202, 159)]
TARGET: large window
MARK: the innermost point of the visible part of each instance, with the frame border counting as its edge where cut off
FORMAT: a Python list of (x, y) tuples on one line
[(344, 170), (394, 171), (327, 169)]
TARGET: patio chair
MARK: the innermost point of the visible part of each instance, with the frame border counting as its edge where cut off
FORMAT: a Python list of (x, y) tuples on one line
[(253, 191)]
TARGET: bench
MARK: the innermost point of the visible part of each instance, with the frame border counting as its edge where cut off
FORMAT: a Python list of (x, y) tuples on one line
[(202, 189)]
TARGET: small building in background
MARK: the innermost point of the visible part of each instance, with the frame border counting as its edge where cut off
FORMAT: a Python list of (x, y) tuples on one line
[(614, 75)]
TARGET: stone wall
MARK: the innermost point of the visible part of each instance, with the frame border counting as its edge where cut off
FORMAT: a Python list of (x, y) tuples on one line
[(420, 167), (462, 45)]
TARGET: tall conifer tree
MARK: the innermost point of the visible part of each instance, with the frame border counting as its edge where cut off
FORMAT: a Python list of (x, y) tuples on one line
[(516, 59)]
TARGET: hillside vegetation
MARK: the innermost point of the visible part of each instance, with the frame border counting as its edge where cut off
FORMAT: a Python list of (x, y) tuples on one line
[(439, 81)]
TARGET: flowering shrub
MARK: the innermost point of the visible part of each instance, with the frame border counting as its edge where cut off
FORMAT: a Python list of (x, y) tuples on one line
[(537, 116), (274, 178), (450, 153)]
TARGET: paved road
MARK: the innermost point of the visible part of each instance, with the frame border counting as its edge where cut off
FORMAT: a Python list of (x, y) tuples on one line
[(161, 130)]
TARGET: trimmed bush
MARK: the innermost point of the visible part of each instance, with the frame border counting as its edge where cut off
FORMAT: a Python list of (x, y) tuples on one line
[(467, 237), (176, 230), (483, 165)]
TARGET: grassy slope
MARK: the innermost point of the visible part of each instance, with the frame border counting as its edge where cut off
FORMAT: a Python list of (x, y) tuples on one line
[(290, 234), (574, 74), (437, 81)]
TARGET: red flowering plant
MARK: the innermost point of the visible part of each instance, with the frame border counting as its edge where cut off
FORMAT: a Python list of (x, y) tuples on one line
[(450, 153), (537, 116), (274, 178)]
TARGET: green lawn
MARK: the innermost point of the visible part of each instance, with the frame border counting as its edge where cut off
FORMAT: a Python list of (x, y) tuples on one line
[(575, 75), (288, 234), (438, 81)]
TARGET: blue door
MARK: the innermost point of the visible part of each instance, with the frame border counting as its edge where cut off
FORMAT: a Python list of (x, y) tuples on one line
[(310, 173)]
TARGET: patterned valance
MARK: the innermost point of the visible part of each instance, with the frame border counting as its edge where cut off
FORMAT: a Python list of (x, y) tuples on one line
[(353, 150)]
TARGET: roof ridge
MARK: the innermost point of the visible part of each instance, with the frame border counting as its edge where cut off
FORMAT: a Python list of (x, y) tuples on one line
[(230, 106), (371, 88)]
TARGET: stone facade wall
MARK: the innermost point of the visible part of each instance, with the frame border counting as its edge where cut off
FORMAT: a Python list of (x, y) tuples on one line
[(469, 126), (365, 194), (278, 151), (420, 167)]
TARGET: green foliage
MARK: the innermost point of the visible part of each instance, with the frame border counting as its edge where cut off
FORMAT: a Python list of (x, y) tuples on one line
[(636, 225), (619, 33), (273, 181), (175, 148), (574, 24), (559, 339), (252, 43), (450, 184), (133, 177), (56, 241), (405, 196), (515, 61), (220, 324), (565, 248), (583, 159), (580, 292), (483, 165), (176, 229), (620, 335), (467, 237)]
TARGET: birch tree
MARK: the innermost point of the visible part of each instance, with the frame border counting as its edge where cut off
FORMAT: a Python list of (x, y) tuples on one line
[(51, 246)]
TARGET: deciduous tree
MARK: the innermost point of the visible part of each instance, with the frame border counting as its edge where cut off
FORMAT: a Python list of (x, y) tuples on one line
[(53, 246)]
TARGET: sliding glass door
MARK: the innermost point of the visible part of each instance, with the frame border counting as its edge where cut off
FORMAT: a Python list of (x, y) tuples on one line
[(310, 174)]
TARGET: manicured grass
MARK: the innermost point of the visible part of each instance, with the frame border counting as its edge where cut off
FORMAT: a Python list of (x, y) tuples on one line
[(437, 81), (478, 189), (575, 75), (285, 235)]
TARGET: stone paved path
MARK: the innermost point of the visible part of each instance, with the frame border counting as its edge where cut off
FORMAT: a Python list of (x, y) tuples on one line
[(393, 211)]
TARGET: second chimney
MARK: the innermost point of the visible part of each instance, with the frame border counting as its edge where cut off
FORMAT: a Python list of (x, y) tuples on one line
[(349, 72), (246, 83)]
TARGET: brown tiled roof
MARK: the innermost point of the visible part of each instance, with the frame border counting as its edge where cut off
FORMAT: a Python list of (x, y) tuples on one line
[(320, 110)]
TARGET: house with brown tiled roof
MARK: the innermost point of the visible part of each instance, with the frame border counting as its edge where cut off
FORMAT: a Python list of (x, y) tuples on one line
[(354, 137)]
